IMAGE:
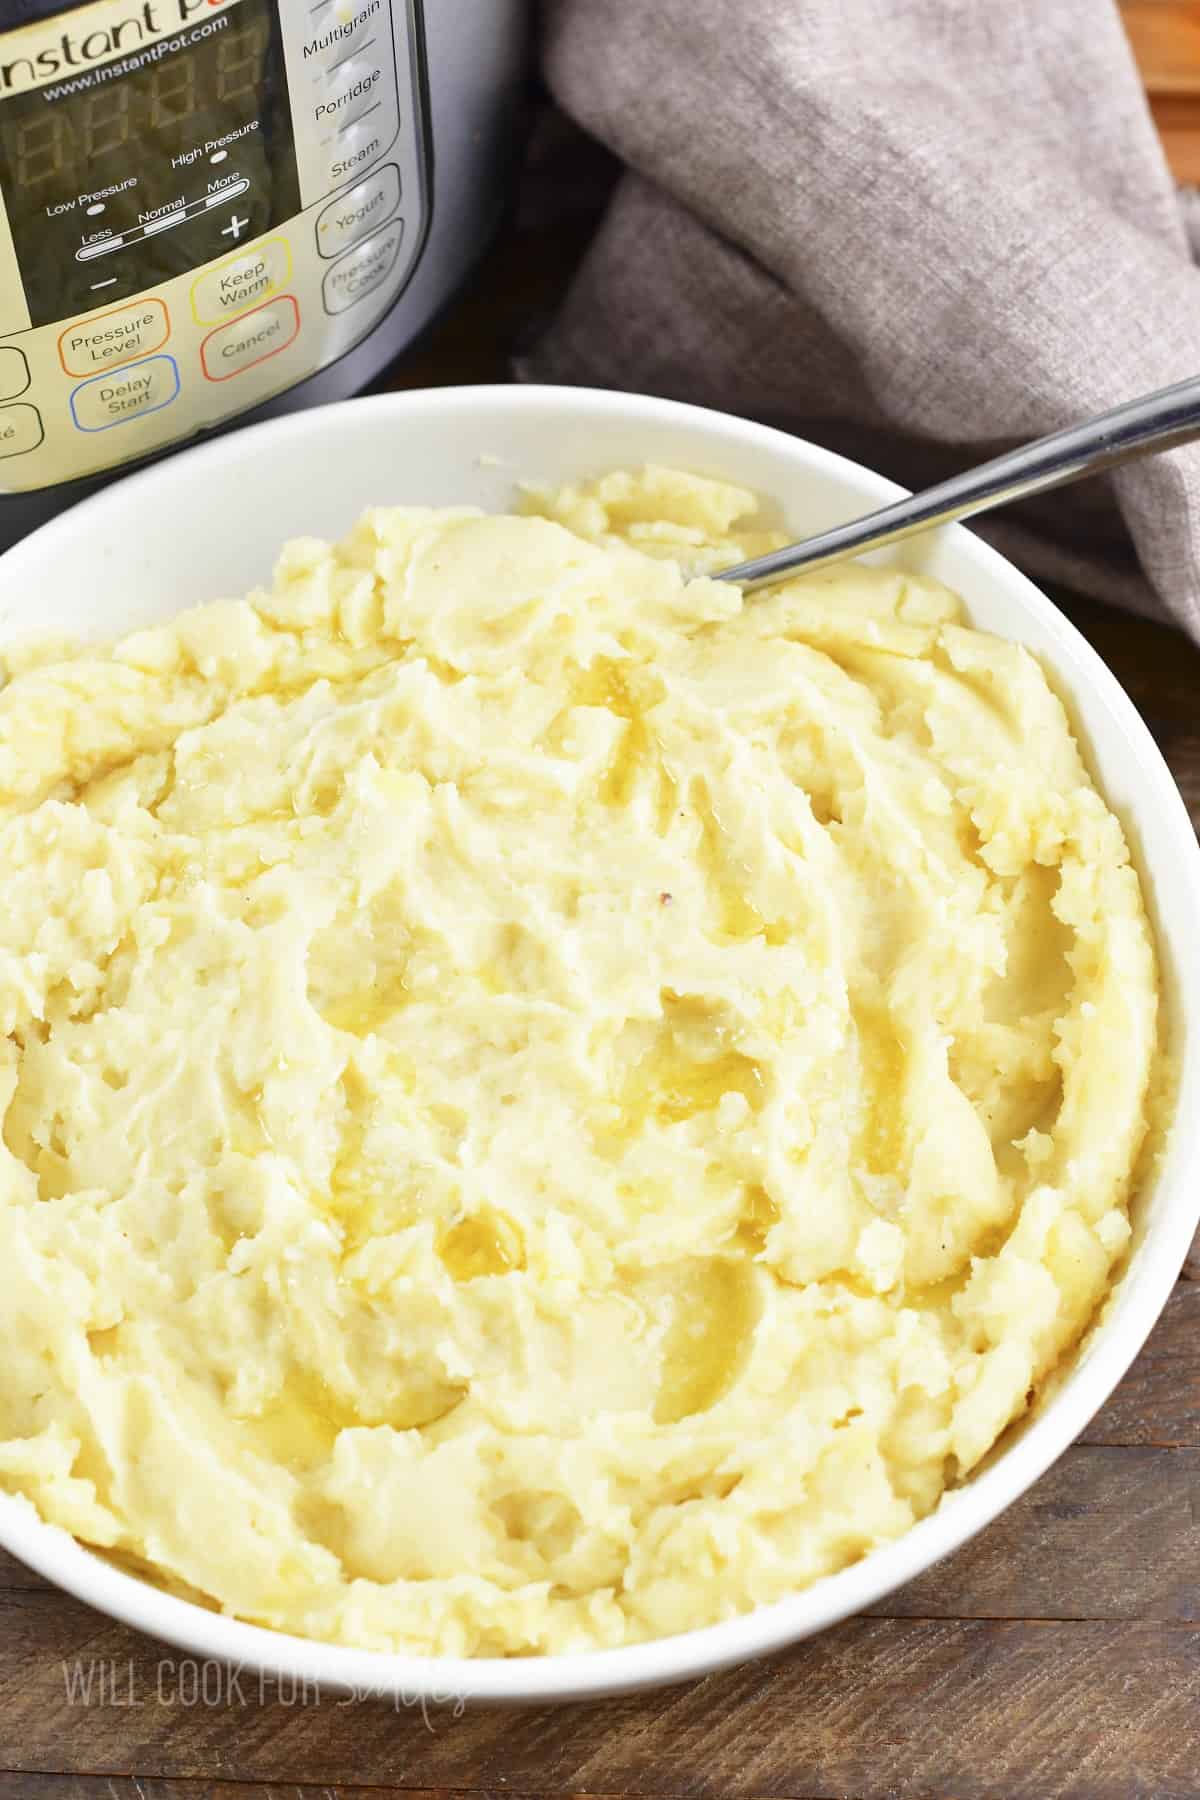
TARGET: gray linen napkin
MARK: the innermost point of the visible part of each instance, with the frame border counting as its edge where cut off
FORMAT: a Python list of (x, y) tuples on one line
[(918, 231)]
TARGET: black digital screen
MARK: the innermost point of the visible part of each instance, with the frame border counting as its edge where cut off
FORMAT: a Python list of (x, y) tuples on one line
[(145, 167)]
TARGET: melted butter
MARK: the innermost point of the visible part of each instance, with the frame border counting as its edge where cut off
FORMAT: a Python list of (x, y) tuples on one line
[(692, 1064), (759, 1214), (366, 1010), (883, 1074), (294, 1430), (737, 919), (712, 1309), (301, 1424), (628, 692), (362, 1197), (105, 1342), (487, 1242), (678, 1088)]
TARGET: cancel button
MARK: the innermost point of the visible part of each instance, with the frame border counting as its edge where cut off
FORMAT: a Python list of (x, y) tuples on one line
[(251, 339)]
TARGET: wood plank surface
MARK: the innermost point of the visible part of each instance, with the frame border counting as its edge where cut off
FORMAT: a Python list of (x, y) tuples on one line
[(1165, 36), (1002, 1709)]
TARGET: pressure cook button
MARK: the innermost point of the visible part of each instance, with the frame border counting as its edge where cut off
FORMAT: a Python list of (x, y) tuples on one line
[(353, 215), (241, 281), (245, 342), (127, 394), (14, 372), (20, 430), (113, 337), (362, 270)]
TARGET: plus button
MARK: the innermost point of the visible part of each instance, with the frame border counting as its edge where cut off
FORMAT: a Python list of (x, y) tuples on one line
[(235, 228)]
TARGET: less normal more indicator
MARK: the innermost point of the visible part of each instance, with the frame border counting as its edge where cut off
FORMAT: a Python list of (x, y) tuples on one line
[(105, 246)]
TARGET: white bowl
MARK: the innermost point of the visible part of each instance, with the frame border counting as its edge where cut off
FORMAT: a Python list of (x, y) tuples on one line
[(209, 522)]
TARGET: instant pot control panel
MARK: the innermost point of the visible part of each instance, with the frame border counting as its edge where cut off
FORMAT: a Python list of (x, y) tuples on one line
[(202, 202)]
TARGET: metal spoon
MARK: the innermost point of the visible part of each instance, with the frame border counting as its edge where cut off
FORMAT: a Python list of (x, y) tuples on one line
[(1139, 428)]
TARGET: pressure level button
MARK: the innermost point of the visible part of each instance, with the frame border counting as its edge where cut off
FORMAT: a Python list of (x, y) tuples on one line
[(110, 338)]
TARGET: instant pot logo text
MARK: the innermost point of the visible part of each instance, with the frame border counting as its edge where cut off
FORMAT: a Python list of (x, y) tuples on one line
[(75, 45)]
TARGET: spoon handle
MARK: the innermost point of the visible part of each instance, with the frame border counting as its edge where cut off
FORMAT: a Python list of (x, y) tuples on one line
[(1156, 422)]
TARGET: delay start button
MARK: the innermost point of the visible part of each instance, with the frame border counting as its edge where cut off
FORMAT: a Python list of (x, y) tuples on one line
[(110, 338), (250, 339), (241, 281), (125, 395), (361, 271)]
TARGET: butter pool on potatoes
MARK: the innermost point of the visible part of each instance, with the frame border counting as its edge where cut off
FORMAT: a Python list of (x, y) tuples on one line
[(542, 1104)]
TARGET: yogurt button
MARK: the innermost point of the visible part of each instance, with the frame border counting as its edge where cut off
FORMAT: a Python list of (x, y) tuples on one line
[(356, 213)]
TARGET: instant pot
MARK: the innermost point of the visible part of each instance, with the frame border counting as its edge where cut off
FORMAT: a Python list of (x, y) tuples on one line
[(216, 210)]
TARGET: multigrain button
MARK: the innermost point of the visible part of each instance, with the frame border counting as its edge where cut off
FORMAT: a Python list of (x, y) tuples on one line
[(20, 430), (241, 281), (14, 372), (361, 271), (251, 339), (351, 217), (125, 395), (114, 337)]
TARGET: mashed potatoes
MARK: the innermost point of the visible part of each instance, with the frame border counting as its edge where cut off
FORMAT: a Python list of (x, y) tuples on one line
[(543, 1105)]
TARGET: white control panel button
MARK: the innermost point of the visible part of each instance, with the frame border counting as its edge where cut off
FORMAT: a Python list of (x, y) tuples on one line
[(20, 429), (14, 372), (354, 215), (363, 270)]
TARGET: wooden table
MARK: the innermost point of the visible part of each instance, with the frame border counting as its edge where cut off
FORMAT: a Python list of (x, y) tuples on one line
[(1058, 1655)]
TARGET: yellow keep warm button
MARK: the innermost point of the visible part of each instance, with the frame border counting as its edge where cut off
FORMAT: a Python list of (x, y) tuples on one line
[(240, 281)]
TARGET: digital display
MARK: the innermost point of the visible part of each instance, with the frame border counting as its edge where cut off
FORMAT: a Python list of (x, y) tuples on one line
[(145, 167)]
